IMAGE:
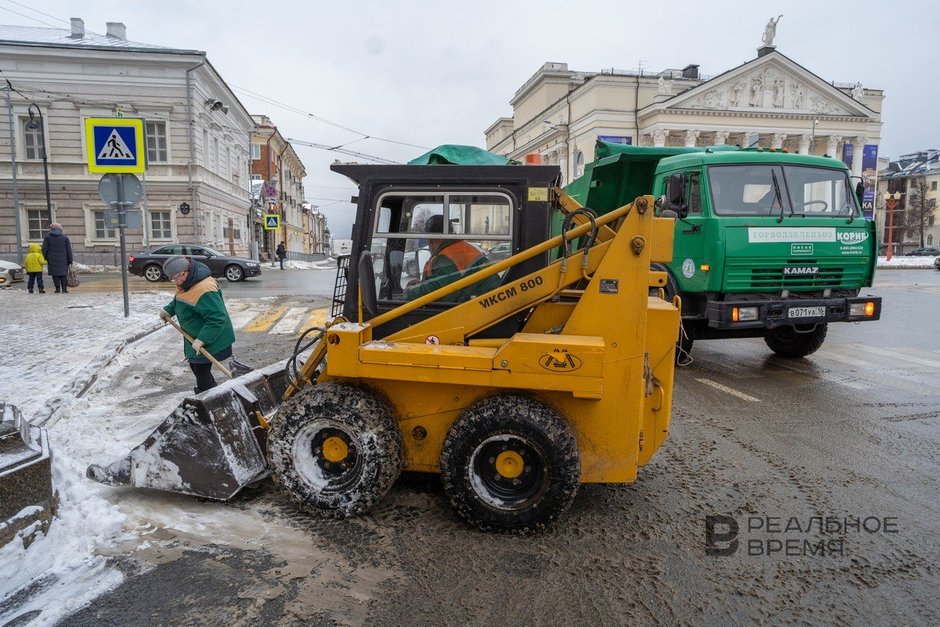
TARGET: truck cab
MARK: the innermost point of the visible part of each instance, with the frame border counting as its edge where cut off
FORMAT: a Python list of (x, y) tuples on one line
[(767, 244)]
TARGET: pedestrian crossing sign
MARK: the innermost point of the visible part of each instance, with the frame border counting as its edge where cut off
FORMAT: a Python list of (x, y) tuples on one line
[(272, 221), (115, 145)]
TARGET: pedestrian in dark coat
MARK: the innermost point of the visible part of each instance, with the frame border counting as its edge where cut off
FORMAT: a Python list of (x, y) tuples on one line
[(57, 249), (281, 253)]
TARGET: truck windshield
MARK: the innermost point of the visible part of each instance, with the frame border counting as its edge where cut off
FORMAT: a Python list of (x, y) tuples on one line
[(749, 190)]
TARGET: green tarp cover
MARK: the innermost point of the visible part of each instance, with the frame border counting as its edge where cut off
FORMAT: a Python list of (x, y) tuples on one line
[(456, 154)]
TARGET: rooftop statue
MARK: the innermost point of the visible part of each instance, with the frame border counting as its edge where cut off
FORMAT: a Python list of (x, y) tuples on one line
[(770, 31)]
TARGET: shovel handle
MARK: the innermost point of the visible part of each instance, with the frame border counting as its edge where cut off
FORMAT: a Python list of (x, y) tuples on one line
[(228, 373)]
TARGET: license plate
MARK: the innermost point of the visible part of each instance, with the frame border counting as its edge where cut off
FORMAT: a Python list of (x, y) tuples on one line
[(806, 312)]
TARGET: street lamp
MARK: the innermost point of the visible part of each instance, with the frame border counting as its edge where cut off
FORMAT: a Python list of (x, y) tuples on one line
[(891, 203), (32, 125)]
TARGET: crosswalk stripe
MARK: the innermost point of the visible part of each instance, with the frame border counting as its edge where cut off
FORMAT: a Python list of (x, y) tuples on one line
[(843, 380), (264, 321), (290, 321), (317, 318), (241, 318)]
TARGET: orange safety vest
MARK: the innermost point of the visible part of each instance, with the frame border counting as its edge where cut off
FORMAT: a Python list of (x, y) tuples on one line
[(463, 254)]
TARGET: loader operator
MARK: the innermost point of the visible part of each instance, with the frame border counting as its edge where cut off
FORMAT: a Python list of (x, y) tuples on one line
[(201, 312), (450, 260)]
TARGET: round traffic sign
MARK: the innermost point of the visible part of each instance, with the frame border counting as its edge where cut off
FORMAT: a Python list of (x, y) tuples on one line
[(132, 189)]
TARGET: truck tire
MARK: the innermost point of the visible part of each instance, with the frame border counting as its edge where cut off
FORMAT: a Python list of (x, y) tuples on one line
[(335, 449), (509, 463), (790, 343)]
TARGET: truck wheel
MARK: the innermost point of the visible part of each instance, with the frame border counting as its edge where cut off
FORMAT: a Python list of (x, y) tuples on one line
[(510, 463), (790, 343), (335, 449)]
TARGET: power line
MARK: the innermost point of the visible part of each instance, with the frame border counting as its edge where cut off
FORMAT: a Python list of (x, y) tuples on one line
[(29, 17), (314, 116), (37, 11), (343, 151)]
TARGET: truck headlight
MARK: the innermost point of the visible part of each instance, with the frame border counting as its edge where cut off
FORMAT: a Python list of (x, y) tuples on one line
[(743, 314), (866, 309)]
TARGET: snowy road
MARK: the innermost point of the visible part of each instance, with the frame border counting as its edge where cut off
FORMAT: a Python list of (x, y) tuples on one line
[(852, 431)]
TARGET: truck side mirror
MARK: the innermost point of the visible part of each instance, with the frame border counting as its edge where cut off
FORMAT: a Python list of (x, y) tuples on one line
[(675, 195), (860, 192)]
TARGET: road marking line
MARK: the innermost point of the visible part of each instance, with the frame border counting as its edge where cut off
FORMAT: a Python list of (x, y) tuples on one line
[(264, 321), (241, 318), (290, 321), (727, 390), (930, 363), (317, 318)]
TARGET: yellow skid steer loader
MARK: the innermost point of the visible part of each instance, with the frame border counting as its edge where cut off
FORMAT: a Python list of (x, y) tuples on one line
[(515, 385)]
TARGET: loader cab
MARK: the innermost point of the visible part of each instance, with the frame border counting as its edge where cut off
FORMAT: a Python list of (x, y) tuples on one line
[(488, 208)]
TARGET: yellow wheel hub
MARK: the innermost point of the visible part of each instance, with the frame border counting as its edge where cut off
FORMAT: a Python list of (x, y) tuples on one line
[(335, 449), (510, 464)]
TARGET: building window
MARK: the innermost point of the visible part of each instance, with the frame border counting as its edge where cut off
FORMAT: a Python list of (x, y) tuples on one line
[(257, 177), (255, 152), (160, 227), (102, 230), (37, 223), (933, 186), (32, 140), (930, 240), (156, 142)]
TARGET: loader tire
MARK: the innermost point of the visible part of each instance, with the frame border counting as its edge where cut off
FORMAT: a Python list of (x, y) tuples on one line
[(790, 343), (509, 463), (335, 449)]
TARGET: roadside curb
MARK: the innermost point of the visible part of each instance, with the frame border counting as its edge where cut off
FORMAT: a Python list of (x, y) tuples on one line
[(47, 416)]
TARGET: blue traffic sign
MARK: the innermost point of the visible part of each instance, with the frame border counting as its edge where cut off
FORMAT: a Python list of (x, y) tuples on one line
[(115, 145)]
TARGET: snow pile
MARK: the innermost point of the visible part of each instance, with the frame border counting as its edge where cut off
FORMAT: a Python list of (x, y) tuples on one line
[(327, 264), (899, 261), (51, 345), (96, 269)]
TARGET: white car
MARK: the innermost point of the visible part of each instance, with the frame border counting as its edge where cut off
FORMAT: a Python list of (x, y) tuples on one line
[(10, 273)]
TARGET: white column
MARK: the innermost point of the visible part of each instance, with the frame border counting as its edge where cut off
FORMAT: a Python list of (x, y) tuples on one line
[(778, 139), (690, 137), (804, 144), (721, 137), (659, 137), (832, 146), (858, 149)]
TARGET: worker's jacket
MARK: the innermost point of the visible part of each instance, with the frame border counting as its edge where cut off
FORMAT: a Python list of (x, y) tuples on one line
[(199, 307), (452, 262)]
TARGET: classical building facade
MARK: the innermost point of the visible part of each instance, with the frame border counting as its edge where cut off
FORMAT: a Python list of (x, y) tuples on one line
[(770, 101), (196, 186), (280, 173)]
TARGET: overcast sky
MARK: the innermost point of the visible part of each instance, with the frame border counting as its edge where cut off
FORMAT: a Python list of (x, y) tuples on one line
[(430, 73)]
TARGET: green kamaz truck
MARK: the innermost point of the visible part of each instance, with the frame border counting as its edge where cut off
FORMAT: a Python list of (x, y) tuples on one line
[(767, 243)]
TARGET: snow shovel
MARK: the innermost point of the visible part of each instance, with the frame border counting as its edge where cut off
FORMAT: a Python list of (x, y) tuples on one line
[(213, 444), (205, 353)]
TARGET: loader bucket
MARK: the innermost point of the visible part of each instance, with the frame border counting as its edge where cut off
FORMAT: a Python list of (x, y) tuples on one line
[(211, 446), (26, 492)]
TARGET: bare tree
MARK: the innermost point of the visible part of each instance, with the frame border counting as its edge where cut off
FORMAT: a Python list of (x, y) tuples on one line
[(920, 209)]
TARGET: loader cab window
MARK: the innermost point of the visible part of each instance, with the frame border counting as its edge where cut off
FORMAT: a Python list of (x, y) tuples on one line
[(422, 241)]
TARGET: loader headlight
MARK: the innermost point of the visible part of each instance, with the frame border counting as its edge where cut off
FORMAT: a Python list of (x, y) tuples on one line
[(866, 309), (743, 314)]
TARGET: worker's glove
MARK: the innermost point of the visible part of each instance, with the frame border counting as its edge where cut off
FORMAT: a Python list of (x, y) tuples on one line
[(197, 344), (165, 315)]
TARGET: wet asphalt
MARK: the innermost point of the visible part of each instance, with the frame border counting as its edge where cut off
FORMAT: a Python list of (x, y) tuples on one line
[(817, 482)]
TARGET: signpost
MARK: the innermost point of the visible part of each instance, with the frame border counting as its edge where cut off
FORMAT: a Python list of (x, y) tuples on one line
[(115, 148)]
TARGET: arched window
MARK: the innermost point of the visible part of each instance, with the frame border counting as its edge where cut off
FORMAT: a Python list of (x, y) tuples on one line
[(930, 240), (578, 163)]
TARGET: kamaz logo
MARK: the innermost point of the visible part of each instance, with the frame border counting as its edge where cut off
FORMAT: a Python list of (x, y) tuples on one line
[(800, 271), (852, 237)]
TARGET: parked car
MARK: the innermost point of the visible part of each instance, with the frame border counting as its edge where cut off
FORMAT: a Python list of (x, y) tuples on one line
[(936, 263), (500, 251), (150, 265), (926, 251), (10, 273)]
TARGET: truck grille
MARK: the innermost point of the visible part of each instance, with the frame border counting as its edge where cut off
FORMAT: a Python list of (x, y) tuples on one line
[(742, 275)]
